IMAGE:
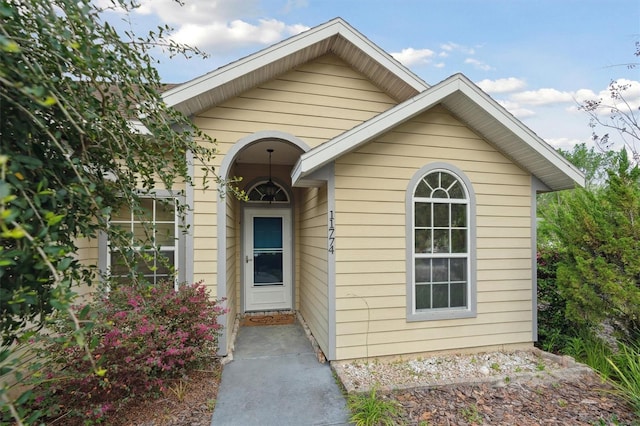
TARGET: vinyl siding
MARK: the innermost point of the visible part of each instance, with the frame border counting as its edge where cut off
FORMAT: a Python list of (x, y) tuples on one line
[(314, 102), (371, 183), (232, 264), (313, 264)]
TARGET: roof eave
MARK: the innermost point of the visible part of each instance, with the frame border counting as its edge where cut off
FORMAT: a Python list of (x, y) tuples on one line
[(225, 82), (547, 165)]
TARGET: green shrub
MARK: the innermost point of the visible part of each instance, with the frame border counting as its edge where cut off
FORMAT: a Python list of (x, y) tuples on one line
[(141, 336), (554, 329)]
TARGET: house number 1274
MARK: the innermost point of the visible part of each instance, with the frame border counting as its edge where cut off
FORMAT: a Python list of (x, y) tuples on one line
[(332, 231)]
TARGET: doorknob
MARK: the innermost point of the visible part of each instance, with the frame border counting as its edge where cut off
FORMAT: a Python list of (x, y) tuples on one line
[(246, 259)]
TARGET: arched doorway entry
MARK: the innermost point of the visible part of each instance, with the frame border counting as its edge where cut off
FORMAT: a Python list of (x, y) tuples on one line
[(257, 235)]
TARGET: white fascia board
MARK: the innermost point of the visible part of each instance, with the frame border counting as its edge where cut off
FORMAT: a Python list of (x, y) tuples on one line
[(237, 69), (520, 130)]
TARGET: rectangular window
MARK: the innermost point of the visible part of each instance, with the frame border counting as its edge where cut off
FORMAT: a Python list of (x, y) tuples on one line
[(154, 237)]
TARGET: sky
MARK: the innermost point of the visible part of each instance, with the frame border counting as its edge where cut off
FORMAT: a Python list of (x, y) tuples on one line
[(538, 58)]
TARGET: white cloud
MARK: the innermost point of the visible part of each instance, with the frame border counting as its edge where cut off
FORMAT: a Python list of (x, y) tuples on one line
[(629, 90), (502, 85), (222, 36), (216, 25), (411, 56), (516, 109), (544, 96), (478, 64), (454, 47)]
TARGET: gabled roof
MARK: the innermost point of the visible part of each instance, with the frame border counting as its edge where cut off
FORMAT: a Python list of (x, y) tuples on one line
[(472, 106), (335, 36)]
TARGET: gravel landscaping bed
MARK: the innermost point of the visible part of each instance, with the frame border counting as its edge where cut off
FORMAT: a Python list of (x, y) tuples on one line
[(496, 388), (490, 367)]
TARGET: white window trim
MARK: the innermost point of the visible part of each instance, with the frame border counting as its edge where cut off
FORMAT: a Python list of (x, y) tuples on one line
[(179, 247), (444, 313)]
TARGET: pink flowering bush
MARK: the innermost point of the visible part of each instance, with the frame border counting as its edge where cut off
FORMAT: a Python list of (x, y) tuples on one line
[(139, 337)]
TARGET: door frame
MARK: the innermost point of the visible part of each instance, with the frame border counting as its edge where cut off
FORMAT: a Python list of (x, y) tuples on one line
[(286, 213)]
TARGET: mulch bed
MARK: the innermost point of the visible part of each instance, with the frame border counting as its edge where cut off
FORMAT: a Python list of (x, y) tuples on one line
[(583, 400)]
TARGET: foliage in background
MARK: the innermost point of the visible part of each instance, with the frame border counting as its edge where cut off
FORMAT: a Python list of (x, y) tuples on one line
[(596, 233), (618, 113), (140, 337), (70, 88), (554, 329)]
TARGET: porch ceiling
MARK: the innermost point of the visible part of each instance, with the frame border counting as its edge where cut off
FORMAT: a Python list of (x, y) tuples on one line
[(284, 154)]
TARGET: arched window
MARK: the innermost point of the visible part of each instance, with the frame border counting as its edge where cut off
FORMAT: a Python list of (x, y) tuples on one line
[(267, 192), (441, 259)]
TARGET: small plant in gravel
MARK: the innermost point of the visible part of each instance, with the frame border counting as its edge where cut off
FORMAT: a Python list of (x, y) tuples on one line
[(140, 337), (371, 410), (495, 366), (540, 366), (471, 414)]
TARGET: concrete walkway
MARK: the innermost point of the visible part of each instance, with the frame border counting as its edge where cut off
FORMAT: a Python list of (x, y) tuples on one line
[(275, 379)]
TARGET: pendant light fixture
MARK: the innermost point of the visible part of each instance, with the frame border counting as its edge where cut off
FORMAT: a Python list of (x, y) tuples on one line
[(270, 188)]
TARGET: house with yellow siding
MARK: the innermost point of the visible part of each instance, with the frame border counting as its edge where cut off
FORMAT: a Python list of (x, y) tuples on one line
[(396, 217)]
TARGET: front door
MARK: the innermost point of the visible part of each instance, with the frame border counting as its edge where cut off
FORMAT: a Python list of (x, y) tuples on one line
[(267, 259)]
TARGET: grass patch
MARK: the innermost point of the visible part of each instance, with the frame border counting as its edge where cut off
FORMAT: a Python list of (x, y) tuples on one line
[(626, 368)]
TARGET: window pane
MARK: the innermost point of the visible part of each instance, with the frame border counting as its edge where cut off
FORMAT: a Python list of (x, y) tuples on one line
[(122, 214), (457, 192), (267, 268), (145, 212), (440, 295), (142, 233), (433, 180), (458, 270), (165, 211), (422, 190), (458, 215), (439, 193), (446, 180), (441, 241), (145, 263), (164, 262), (440, 215), (423, 270), (423, 214), (440, 270), (165, 234), (458, 295), (118, 265), (423, 296), (458, 241), (423, 241), (267, 232)]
